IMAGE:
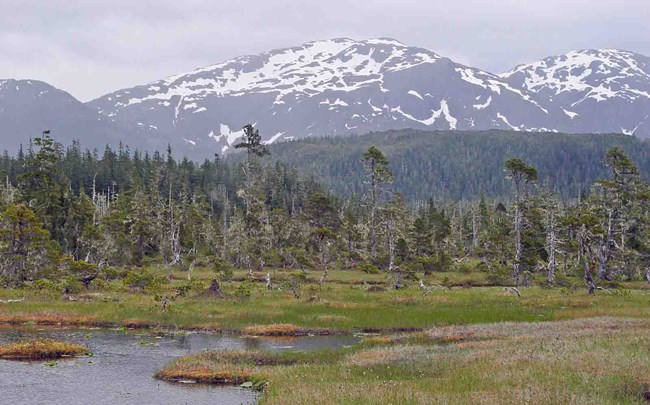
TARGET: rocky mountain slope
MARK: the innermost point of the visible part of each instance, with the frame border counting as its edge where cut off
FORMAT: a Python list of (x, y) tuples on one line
[(339, 87), (332, 87), (27, 107), (599, 90)]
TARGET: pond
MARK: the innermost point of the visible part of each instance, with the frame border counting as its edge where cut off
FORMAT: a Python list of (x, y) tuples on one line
[(123, 364)]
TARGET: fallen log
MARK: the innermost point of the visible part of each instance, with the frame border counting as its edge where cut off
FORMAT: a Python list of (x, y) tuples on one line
[(10, 301)]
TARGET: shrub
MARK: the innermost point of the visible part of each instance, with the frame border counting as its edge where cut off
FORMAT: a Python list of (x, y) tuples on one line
[(425, 264), (244, 290), (112, 273), (184, 289), (272, 258), (442, 262), (499, 274), (102, 285), (83, 268), (223, 269), (139, 279), (71, 285), (46, 287), (462, 267), (368, 268)]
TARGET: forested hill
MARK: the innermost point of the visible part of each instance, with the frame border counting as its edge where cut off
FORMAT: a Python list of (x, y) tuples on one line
[(459, 165)]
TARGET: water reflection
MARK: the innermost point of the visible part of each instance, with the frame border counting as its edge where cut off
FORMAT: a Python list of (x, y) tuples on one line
[(121, 370)]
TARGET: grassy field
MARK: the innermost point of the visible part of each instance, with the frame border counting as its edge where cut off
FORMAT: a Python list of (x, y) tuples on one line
[(589, 361), (342, 304), (462, 342)]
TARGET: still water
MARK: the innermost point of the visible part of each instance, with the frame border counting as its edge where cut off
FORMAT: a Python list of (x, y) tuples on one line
[(123, 364)]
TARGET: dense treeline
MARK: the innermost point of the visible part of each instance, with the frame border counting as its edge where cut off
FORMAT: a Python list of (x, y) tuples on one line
[(74, 216), (460, 165)]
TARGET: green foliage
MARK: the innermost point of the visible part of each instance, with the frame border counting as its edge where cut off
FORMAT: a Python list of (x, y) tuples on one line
[(24, 244), (498, 273), (47, 288), (223, 269), (113, 273), (77, 216), (188, 287), (72, 285), (368, 268), (252, 142), (517, 167), (139, 279), (463, 268), (460, 165), (244, 290)]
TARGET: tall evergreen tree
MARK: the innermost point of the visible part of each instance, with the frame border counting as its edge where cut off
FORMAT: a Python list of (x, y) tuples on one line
[(376, 166)]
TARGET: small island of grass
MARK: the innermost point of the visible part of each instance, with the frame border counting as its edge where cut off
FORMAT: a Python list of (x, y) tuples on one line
[(224, 367), (40, 349)]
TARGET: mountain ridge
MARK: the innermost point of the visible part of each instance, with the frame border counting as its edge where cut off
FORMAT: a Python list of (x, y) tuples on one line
[(342, 86)]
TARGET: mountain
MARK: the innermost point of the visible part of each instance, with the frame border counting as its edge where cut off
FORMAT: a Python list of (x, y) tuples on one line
[(332, 87), (27, 107), (599, 90), (341, 87)]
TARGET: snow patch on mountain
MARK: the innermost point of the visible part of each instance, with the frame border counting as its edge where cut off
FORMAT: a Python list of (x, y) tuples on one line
[(416, 94), (274, 138), (484, 105), (312, 68), (570, 114), (435, 114), (598, 74)]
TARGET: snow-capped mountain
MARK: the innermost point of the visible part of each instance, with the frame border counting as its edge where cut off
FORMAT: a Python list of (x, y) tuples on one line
[(599, 90), (331, 87), (27, 107), (338, 87)]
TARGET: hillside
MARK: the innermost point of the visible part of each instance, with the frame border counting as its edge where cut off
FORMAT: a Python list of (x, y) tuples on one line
[(459, 165)]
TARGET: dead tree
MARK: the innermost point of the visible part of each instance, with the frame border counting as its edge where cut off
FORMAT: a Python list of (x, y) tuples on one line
[(551, 225), (584, 239), (521, 175)]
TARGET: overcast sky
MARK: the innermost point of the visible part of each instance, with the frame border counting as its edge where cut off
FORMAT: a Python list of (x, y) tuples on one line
[(93, 47)]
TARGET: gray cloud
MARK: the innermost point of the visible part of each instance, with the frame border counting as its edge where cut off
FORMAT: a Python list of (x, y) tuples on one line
[(92, 47)]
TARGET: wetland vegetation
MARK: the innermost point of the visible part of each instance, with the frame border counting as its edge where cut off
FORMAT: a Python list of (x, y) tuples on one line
[(530, 297)]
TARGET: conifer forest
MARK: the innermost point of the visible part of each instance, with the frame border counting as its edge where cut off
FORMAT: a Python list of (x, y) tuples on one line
[(400, 262)]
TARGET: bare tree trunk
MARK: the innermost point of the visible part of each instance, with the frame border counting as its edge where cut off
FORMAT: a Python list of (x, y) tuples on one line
[(603, 258), (189, 270), (224, 219), (584, 248), (397, 282), (604, 254), (174, 231), (373, 209), (518, 249), (476, 229), (391, 246), (551, 245), (94, 197)]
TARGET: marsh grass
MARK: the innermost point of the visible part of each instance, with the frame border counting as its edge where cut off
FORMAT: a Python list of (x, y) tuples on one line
[(584, 361), (341, 308), (227, 367), (41, 349), (477, 345), (587, 361), (276, 329)]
